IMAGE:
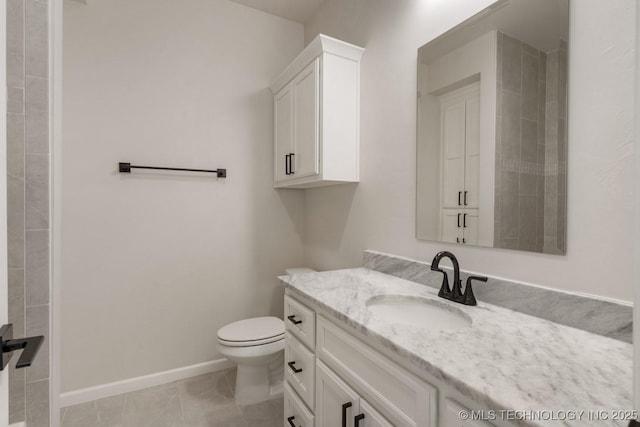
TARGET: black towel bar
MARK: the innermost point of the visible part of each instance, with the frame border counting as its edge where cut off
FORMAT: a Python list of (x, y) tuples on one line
[(126, 168)]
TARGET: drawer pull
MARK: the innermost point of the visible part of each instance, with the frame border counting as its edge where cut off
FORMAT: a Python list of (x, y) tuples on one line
[(293, 320), (345, 406), (290, 421), (357, 419), (293, 367)]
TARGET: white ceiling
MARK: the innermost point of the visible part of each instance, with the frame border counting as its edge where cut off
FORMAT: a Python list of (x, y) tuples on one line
[(295, 10)]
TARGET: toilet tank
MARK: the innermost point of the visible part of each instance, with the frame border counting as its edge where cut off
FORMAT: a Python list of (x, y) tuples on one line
[(298, 270)]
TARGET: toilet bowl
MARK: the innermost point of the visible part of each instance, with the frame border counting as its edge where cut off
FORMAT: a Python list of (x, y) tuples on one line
[(256, 345)]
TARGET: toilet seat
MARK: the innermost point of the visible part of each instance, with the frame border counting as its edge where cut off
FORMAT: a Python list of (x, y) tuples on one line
[(252, 332)]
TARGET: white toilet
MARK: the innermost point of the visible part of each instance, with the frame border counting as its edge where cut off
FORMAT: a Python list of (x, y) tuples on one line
[(256, 345)]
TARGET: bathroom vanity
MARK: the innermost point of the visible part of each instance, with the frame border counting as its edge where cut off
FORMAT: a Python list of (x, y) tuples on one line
[(357, 355)]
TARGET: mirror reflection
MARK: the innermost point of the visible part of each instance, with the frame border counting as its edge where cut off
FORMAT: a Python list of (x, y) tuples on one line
[(492, 129)]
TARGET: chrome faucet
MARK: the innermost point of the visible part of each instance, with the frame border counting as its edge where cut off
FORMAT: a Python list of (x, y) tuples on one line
[(455, 294)]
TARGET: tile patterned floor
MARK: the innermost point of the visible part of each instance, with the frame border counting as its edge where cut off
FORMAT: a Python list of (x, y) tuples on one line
[(204, 401)]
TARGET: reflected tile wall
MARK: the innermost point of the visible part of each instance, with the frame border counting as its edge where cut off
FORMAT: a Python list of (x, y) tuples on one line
[(28, 201)]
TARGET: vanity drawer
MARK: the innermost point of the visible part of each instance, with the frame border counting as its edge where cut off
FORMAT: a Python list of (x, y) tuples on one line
[(293, 407), (299, 369), (400, 396), (451, 416), (300, 321)]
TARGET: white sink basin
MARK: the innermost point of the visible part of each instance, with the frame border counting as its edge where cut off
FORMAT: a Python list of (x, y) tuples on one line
[(418, 312)]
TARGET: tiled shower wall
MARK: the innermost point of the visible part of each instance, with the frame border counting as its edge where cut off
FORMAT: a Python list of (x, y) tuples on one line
[(556, 152), (28, 202), (527, 149)]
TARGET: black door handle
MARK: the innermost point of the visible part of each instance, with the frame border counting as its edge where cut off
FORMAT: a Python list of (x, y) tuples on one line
[(458, 220), (292, 365), (293, 320), (459, 196), (286, 164), (465, 198), (464, 220), (345, 406), (357, 419), (29, 346), (290, 421)]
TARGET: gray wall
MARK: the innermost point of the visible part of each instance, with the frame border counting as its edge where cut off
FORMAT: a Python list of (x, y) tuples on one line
[(28, 202)]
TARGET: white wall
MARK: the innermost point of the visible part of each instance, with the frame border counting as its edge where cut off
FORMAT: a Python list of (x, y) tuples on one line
[(379, 213), (154, 264)]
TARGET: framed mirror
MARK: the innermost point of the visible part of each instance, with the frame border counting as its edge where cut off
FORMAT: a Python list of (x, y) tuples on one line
[(492, 129)]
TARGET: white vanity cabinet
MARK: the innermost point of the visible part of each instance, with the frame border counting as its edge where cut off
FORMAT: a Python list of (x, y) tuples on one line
[(337, 376), (316, 116)]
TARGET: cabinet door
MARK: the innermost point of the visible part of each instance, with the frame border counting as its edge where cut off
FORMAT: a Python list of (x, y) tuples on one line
[(294, 410), (471, 224), (451, 226), (453, 142), (372, 418), (283, 131), (331, 394), (306, 104), (472, 151)]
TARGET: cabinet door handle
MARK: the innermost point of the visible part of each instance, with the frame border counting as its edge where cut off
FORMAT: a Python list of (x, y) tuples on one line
[(459, 197), (295, 370), (345, 406), (291, 172), (457, 240), (465, 198), (464, 240), (357, 419), (290, 421), (286, 164), (458, 220), (464, 221), (293, 320)]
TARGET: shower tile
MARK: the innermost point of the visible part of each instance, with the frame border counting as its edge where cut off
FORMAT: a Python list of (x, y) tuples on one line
[(16, 300), (37, 113), (15, 145), (37, 192), (37, 267), (15, 26), (529, 141), (15, 100), (510, 131), (17, 390), (511, 64), (15, 222), (36, 40), (38, 404), (37, 323), (530, 86), (15, 70)]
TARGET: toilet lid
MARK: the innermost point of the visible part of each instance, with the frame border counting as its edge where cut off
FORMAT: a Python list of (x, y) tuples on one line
[(255, 331)]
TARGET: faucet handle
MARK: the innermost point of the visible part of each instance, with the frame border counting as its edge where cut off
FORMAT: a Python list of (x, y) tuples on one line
[(469, 298), (444, 289)]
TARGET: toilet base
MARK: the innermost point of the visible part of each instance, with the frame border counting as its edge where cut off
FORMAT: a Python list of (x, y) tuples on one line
[(256, 384)]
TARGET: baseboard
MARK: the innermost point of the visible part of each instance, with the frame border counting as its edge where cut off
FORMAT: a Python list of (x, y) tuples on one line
[(88, 394)]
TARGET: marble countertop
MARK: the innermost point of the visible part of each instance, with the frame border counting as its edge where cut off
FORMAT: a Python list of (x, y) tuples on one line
[(504, 361)]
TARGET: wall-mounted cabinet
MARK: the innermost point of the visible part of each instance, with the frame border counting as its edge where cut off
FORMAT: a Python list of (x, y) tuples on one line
[(316, 116)]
